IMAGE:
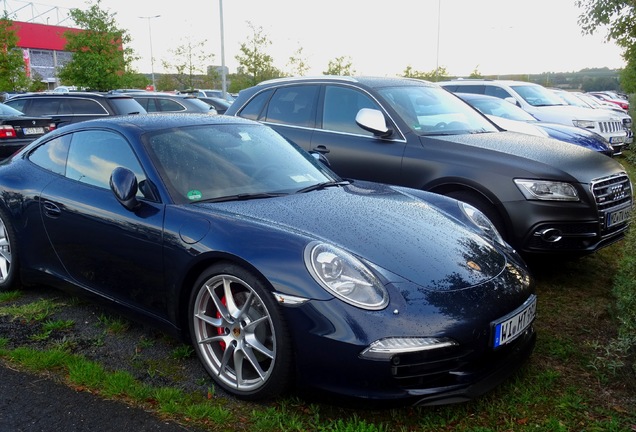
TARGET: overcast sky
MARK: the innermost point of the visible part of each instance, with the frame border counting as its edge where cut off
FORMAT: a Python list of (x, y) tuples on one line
[(380, 37)]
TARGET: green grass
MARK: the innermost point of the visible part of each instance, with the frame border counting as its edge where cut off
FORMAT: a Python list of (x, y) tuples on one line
[(113, 324), (36, 311)]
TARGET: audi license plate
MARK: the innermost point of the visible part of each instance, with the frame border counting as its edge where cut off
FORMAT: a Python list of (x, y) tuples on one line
[(513, 325), (33, 131), (618, 216)]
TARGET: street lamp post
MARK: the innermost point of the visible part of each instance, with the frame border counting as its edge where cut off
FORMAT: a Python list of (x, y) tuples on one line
[(439, 21), (223, 77), (152, 59)]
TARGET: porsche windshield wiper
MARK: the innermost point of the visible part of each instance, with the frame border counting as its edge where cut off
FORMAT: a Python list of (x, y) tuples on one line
[(243, 197), (323, 185)]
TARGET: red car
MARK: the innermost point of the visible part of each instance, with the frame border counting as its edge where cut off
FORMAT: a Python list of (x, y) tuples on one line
[(623, 103)]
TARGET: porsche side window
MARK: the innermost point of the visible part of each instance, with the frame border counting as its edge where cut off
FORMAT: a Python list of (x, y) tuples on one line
[(341, 107), (52, 154), (93, 155)]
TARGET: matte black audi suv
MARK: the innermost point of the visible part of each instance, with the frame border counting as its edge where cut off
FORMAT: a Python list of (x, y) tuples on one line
[(544, 196)]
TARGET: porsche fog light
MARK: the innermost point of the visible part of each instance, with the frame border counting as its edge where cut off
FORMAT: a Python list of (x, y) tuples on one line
[(481, 221), (384, 349), (345, 276), (547, 190)]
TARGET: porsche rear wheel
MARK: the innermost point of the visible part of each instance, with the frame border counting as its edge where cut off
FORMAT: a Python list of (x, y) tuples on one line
[(239, 334), (8, 256)]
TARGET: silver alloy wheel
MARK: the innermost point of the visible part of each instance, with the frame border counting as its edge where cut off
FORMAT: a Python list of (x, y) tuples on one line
[(5, 252), (235, 333)]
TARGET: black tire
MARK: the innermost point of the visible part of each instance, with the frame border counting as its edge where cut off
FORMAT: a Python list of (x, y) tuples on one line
[(484, 206), (239, 334), (9, 263)]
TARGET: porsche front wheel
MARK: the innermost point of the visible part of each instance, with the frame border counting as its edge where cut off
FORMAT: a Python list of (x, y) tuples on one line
[(239, 334)]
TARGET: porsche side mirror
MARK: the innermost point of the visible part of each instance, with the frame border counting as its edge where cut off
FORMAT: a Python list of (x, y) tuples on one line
[(123, 183)]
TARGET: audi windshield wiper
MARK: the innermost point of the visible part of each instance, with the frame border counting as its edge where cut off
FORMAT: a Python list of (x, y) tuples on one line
[(243, 197), (323, 185)]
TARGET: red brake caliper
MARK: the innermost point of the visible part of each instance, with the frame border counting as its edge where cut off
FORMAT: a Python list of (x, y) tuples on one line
[(221, 330)]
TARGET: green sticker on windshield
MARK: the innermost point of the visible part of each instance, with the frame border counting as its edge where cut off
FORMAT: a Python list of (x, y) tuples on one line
[(194, 195)]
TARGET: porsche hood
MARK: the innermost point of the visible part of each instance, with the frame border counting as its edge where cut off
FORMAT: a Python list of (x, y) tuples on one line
[(409, 238)]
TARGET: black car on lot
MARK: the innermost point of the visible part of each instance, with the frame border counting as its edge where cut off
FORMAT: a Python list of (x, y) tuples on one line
[(220, 105), (172, 103), (18, 130), (543, 196), (73, 107)]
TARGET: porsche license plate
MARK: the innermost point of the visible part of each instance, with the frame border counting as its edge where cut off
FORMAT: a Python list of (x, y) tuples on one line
[(511, 326), (33, 131), (618, 216)]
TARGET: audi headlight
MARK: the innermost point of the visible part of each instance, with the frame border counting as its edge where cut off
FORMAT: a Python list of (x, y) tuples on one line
[(585, 124), (345, 276), (481, 221), (547, 190)]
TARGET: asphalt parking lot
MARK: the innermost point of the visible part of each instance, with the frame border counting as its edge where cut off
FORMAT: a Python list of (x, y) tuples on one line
[(31, 403)]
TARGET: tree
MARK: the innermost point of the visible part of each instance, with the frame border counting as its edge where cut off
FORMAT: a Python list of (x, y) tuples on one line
[(619, 18), (12, 71), (298, 64), (475, 73), (166, 82), (190, 61), (628, 77), (439, 74), (340, 66), (255, 65), (101, 60)]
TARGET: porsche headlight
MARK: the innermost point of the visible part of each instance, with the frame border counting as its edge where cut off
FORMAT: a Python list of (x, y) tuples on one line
[(547, 190), (481, 221), (345, 276)]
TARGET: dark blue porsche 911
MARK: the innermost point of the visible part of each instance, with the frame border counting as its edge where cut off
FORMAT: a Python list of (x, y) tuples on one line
[(279, 272)]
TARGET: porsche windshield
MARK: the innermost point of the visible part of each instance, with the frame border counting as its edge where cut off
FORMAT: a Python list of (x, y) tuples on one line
[(233, 161), (431, 110)]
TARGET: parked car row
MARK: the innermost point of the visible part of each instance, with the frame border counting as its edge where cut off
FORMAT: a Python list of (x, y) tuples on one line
[(543, 196), (546, 106), (396, 252), (586, 100), (512, 118)]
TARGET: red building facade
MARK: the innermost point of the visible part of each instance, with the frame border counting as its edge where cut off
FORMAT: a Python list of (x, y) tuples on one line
[(43, 49)]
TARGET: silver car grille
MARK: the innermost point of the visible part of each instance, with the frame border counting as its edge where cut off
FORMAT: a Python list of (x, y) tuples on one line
[(611, 193), (611, 126)]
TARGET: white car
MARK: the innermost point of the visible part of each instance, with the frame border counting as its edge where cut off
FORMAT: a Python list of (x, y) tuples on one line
[(585, 100), (544, 105)]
